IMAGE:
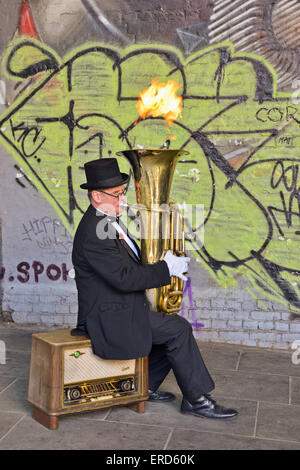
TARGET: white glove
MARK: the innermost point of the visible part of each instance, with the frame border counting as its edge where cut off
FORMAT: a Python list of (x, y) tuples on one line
[(177, 264)]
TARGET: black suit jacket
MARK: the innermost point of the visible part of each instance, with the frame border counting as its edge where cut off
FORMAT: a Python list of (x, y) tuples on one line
[(111, 283)]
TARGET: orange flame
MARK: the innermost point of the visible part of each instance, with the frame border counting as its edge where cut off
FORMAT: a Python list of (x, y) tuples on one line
[(160, 99)]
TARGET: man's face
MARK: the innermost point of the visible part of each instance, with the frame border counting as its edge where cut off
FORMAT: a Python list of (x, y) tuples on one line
[(109, 200)]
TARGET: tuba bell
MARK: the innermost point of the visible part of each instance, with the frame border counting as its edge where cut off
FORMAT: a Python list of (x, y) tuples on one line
[(162, 226)]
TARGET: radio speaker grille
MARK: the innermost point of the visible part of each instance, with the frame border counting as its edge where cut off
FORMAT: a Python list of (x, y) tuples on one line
[(83, 365)]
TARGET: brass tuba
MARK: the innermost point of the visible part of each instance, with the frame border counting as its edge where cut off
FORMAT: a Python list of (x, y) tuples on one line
[(162, 227)]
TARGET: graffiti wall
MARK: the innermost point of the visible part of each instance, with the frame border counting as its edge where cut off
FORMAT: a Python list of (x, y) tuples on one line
[(71, 75)]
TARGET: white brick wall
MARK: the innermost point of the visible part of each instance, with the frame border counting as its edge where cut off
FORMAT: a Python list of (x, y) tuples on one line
[(51, 306), (228, 315), (237, 321), (241, 320)]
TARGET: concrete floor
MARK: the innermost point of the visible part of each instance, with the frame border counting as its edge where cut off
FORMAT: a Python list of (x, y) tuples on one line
[(263, 385)]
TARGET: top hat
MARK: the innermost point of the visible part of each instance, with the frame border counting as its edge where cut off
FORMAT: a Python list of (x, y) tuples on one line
[(103, 173)]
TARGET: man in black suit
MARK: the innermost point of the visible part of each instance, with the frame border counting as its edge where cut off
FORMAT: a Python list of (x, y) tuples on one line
[(113, 308)]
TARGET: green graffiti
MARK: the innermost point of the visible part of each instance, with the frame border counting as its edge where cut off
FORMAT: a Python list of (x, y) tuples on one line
[(241, 134)]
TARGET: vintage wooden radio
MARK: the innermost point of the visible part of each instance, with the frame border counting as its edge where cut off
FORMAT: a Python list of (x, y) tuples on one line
[(66, 377)]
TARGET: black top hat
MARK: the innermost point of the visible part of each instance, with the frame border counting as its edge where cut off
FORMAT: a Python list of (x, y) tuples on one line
[(103, 173)]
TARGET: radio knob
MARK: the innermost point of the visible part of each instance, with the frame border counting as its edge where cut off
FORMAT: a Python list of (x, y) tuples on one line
[(75, 393), (126, 385)]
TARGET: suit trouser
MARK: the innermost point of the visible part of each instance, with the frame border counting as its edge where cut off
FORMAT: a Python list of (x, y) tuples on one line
[(174, 347)]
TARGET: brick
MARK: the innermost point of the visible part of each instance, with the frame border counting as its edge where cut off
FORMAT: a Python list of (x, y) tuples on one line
[(233, 304), (206, 314), (234, 337), (241, 315), (266, 325), (15, 297), (290, 337), (285, 316), (226, 314), (172, 17), (206, 335), (20, 306), (146, 30), (144, 15), (281, 326), (52, 319), (48, 299), (33, 318), (45, 308), (266, 344), (71, 298), (202, 303), (62, 308), (236, 324), (19, 317), (193, 15), (63, 299), (70, 320), (281, 345), (219, 324), (294, 327), (204, 7), (266, 303), (5, 306), (265, 336), (24, 289), (31, 298), (36, 308), (132, 28), (217, 303), (262, 315), (207, 322), (250, 324), (73, 308), (128, 18), (248, 305), (248, 342)]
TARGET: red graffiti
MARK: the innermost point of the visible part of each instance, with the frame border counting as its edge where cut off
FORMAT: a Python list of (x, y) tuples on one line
[(26, 23), (25, 272)]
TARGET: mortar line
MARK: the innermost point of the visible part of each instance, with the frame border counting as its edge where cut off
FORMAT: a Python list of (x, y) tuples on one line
[(168, 439), (19, 420), (250, 371), (238, 361), (23, 351), (137, 423), (11, 383), (107, 414), (194, 429), (256, 419), (247, 436)]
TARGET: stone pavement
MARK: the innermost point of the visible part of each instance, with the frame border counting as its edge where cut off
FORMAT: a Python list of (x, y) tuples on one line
[(263, 385)]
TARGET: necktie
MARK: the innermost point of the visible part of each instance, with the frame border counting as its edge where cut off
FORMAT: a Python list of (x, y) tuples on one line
[(135, 248)]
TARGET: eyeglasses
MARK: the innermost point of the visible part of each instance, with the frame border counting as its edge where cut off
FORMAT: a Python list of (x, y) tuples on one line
[(114, 195)]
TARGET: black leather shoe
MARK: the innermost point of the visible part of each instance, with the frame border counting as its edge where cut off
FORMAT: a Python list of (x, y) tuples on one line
[(207, 408), (160, 396)]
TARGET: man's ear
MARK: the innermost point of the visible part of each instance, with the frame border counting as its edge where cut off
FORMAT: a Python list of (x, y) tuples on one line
[(96, 196)]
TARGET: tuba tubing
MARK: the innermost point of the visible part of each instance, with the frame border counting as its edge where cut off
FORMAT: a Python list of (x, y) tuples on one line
[(161, 221)]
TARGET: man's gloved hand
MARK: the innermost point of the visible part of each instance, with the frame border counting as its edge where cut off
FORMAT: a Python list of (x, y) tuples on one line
[(177, 264)]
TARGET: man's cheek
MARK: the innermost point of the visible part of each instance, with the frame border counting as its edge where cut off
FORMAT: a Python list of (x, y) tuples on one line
[(122, 203)]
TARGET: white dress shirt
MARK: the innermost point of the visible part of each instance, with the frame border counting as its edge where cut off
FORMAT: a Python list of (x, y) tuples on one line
[(123, 233)]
